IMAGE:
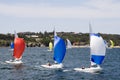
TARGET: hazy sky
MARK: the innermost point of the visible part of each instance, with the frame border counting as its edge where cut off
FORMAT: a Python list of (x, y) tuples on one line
[(65, 15)]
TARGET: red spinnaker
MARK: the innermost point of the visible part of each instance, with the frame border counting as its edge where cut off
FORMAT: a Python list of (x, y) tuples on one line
[(19, 47)]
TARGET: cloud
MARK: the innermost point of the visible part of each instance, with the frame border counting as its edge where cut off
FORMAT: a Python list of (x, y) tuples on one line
[(89, 9)]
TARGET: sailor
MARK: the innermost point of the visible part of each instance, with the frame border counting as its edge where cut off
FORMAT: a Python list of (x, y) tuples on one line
[(83, 67), (48, 63)]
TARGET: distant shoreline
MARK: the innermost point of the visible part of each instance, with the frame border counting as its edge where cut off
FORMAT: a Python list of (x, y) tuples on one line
[(80, 46), (72, 47), (88, 47)]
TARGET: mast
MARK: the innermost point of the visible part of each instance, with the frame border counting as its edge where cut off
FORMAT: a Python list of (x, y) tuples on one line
[(16, 36), (90, 32)]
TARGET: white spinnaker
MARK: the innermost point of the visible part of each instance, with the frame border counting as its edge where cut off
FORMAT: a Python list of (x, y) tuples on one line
[(97, 45)]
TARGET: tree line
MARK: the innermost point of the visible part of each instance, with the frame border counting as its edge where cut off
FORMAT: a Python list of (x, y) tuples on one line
[(33, 39)]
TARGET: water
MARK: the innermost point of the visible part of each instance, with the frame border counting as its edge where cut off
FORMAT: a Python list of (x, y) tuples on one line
[(76, 57)]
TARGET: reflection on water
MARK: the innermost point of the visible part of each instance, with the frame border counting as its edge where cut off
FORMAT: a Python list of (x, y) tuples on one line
[(18, 66)]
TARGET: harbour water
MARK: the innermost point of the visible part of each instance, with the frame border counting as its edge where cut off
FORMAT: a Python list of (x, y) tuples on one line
[(75, 57)]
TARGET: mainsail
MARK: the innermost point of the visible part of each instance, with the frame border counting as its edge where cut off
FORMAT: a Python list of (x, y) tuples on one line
[(12, 45), (59, 48), (50, 46), (15, 34), (69, 45), (106, 43), (112, 44)]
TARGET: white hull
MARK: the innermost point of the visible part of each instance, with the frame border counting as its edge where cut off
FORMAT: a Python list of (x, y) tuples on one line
[(90, 70), (11, 49), (49, 50), (14, 62), (53, 66)]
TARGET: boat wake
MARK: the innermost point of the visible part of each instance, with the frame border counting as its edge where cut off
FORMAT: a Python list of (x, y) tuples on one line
[(2, 62)]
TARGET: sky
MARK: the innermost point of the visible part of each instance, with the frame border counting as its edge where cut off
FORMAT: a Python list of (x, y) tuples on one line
[(64, 15)]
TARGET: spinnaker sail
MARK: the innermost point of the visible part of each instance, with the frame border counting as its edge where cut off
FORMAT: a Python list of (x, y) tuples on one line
[(97, 53), (59, 53), (19, 47), (98, 48), (59, 49)]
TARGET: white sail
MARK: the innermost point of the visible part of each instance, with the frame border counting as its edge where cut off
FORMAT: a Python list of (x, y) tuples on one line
[(98, 48), (16, 36), (106, 44), (69, 45)]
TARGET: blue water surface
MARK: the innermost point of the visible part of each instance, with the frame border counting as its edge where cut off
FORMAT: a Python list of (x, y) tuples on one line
[(75, 57)]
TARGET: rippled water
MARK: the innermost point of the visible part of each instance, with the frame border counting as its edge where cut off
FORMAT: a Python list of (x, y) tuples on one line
[(76, 57)]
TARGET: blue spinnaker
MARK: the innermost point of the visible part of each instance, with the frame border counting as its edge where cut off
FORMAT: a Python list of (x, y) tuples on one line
[(59, 49), (12, 45), (98, 49)]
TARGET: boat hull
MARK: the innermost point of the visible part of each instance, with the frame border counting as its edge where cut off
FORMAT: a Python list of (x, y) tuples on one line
[(53, 66), (91, 70), (14, 62), (49, 50)]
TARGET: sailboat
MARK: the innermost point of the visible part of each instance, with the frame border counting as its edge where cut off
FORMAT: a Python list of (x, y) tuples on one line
[(19, 47), (12, 46), (112, 44), (50, 46), (106, 43), (69, 45), (97, 53), (59, 53)]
